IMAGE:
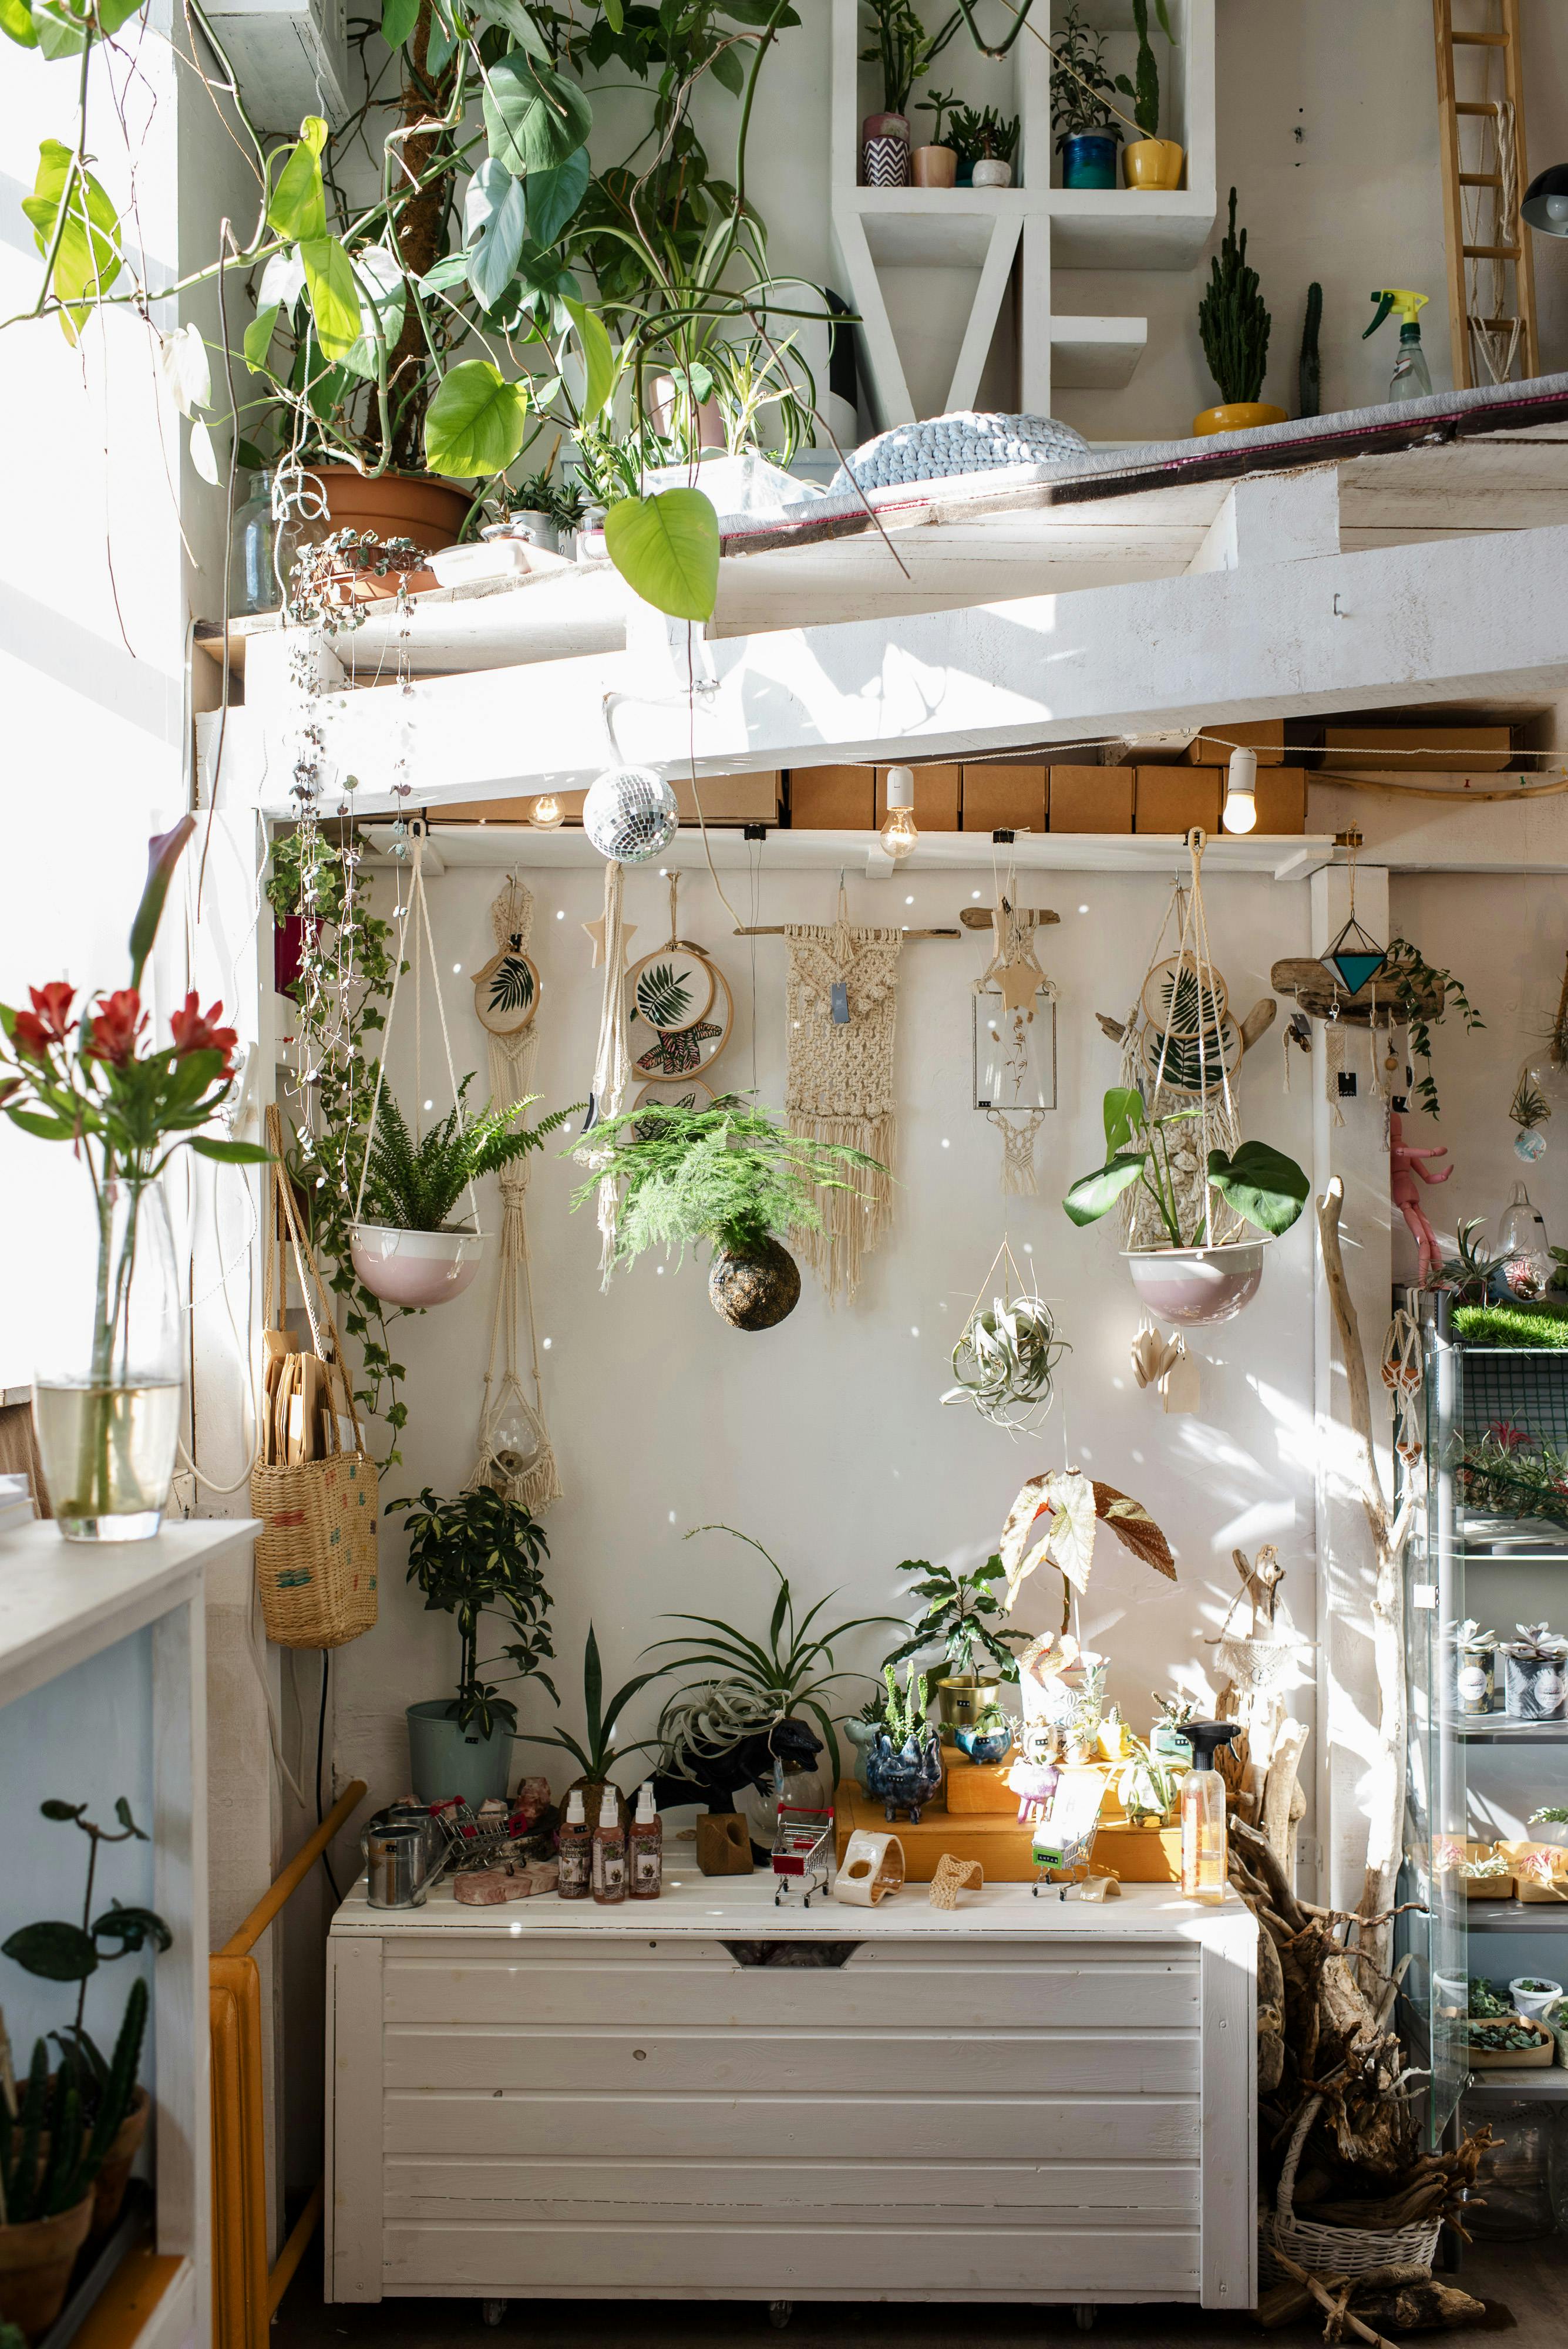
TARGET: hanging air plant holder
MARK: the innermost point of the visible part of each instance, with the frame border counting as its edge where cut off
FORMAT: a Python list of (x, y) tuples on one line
[(1008, 1351), (1355, 957), (414, 1268)]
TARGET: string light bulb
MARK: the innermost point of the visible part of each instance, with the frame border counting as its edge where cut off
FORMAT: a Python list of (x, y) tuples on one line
[(548, 814), (898, 834), (1241, 810)]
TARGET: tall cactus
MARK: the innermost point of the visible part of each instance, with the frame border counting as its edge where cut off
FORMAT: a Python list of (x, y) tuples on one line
[(1310, 378), (40, 2188), (1233, 320)]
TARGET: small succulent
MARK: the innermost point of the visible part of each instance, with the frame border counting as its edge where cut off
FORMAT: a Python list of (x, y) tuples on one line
[(1537, 1645), (904, 1713), (1004, 1361), (1484, 2000)]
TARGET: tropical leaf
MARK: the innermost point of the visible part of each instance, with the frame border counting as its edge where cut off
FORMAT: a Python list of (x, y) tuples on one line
[(1093, 1195), (298, 206), (533, 118), (1265, 1187), (554, 193), (494, 217), (86, 259), (666, 548), (1124, 1114), (1133, 1528), (56, 1951), (383, 301), (598, 360), (476, 422), (663, 998), (510, 985)]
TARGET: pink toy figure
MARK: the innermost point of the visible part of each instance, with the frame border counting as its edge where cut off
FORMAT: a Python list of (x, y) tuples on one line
[(1405, 1168)]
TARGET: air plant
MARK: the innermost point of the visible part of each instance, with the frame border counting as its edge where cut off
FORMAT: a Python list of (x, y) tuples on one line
[(1511, 1473), (1471, 1270), (1529, 1108), (1004, 1359), (1147, 1788)]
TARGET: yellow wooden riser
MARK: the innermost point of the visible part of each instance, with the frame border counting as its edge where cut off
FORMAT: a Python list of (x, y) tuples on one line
[(1003, 1849)]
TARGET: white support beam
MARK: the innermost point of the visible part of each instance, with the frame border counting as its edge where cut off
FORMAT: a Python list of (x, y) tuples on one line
[(1405, 623), (1273, 518)]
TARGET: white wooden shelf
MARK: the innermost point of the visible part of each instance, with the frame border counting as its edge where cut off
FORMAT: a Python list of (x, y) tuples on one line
[(61, 1602), (1095, 353)]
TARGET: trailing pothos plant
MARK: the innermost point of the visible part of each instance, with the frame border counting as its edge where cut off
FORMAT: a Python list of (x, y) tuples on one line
[(1425, 995), (1257, 1183), (493, 287)]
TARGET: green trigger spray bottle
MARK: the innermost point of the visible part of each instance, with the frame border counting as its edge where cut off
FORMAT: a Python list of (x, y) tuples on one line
[(1410, 378)]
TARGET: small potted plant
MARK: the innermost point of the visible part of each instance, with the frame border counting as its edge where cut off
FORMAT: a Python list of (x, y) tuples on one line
[(962, 1621), (904, 1766), (1188, 1279), (1147, 1788), (1087, 133), (726, 1175), (1532, 1995), (987, 1739), (905, 52), (987, 144), (1534, 1671), (601, 1720), (474, 1556), (1166, 1738), (1151, 162), (935, 165), (1233, 321), (405, 1249)]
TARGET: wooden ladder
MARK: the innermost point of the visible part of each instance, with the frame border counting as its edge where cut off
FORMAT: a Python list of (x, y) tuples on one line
[(1450, 107)]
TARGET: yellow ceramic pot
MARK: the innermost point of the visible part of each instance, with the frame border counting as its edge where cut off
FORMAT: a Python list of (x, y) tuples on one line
[(1240, 415), (1153, 163)]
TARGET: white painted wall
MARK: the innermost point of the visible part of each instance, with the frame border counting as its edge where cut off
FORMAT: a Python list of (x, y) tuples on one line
[(826, 1439)]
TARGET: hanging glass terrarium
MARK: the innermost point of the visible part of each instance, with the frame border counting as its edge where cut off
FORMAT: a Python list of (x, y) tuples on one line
[(1355, 957)]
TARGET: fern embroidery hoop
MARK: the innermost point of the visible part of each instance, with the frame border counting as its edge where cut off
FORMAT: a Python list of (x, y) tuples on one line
[(680, 994)]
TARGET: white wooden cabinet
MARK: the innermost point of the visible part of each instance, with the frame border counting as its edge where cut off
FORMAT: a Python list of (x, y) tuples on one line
[(1021, 2099)]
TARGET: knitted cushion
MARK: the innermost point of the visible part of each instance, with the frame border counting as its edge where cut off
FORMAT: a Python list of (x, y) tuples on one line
[(968, 443)]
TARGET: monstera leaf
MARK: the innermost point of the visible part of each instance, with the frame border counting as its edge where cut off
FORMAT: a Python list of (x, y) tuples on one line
[(1264, 1187)]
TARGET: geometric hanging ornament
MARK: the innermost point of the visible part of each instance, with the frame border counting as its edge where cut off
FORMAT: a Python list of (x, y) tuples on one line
[(1356, 957)]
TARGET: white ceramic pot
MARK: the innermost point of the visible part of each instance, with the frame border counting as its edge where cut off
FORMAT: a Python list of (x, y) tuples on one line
[(1533, 2003), (989, 172), (1196, 1285), (415, 1269)]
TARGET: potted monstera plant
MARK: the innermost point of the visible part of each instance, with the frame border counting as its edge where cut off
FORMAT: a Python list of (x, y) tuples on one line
[(1187, 1276)]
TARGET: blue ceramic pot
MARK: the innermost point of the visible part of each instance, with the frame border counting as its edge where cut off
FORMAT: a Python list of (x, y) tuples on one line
[(906, 1777), (1089, 159), (984, 1745)]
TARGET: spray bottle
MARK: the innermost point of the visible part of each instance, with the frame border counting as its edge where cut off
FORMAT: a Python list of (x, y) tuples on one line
[(1203, 1853), (1410, 379), (646, 1853), (574, 1850)]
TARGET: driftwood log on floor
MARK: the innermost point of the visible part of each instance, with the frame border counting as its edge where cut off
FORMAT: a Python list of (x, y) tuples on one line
[(1407, 2297)]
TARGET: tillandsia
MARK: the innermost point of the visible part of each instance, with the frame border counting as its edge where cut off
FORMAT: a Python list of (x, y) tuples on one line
[(1511, 1473), (1257, 1183), (1004, 1361), (415, 1183), (1469, 1272), (1147, 1788), (475, 1555)]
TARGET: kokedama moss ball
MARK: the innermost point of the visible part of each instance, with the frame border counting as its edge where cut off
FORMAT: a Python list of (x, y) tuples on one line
[(756, 1290)]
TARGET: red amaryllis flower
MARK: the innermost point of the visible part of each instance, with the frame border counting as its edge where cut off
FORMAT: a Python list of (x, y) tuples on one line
[(195, 1031), (46, 1023), (114, 1027)]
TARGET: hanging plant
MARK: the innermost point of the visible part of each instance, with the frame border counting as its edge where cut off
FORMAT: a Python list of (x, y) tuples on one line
[(1418, 985), (1006, 1355)]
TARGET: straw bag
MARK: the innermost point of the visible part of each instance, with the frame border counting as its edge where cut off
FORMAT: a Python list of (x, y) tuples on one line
[(1334, 2251), (316, 1555)]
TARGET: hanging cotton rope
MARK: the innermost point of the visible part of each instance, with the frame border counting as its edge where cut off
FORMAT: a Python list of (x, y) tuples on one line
[(612, 1064), (514, 1453), (412, 954)]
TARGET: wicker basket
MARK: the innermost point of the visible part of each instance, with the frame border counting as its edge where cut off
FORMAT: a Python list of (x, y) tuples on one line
[(1334, 2251)]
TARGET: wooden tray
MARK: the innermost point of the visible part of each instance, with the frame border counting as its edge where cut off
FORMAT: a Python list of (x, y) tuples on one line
[(1508, 2059), (1003, 1849)]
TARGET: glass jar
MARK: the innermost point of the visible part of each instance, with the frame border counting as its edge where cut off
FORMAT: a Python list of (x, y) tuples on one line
[(252, 578), (107, 1404), (1521, 1241), (1512, 2202)]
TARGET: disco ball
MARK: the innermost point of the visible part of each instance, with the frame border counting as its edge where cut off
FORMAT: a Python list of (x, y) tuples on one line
[(630, 814)]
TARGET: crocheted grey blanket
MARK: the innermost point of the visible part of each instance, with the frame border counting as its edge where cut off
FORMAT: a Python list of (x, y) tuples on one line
[(969, 442)]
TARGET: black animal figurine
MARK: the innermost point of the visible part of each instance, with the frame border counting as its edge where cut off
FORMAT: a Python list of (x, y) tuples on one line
[(703, 1770)]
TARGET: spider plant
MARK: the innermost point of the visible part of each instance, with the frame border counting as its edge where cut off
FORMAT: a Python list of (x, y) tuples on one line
[(414, 1185), (601, 1719), (784, 1668)]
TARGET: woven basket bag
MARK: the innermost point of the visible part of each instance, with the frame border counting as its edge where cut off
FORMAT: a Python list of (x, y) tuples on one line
[(1334, 2251), (315, 1555)]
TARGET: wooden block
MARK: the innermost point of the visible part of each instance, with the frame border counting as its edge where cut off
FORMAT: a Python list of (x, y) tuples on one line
[(1000, 797), (1266, 736), (1003, 1849), (724, 1844), (1282, 798), (976, 1789), (1178, 799), (1092, 798), (731, 798), (1419, 750), (832, 799), (936, 798), (953, 1876)]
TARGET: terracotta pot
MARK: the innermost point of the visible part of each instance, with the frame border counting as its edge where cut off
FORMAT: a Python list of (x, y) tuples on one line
[(1239, 416), (36, 2263), (754, 1292), (1196, 1286), (991, 172), (934, 167), (1153, 163), (394, 505), (109, 2191), (415, 1269)]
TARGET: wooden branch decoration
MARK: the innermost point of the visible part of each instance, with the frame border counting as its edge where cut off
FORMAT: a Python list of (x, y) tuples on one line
[(1387, 1800)]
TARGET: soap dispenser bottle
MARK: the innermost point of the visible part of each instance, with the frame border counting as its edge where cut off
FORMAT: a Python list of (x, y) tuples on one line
[(1203, 1848), (646, 1856)]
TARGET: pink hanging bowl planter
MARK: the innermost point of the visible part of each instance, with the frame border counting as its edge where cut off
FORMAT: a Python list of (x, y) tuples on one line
[(415, 1269), (1196, 1286)]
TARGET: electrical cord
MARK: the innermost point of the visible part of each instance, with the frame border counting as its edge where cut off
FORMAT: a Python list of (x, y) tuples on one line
[(320, 1748)]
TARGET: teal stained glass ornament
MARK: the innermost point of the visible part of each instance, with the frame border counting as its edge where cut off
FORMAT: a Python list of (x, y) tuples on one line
[(1356, 957)]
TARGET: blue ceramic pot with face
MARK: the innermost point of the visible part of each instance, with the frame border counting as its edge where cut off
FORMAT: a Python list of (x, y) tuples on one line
[(985, 1745), (904, 1777), (1089, 159)]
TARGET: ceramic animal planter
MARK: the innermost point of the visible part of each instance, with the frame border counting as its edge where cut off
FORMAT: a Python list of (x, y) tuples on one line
[(985, 1745), (905, 1777)]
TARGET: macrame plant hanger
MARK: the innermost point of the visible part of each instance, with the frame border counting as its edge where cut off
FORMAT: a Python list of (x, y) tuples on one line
[(612, 1061), (514, 1455), (841, 1006), (1014, 973)]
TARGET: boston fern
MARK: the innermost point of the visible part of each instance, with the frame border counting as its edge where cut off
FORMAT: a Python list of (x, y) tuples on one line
[(476, 1555), (414, 1185), (727, 1174)]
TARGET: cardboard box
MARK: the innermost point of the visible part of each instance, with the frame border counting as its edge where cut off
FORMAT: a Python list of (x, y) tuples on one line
[(731, 798), (1266, 736), (1418, 749), (1093, 798), (936, 805), (832, 799), (1004, 798), (1282, 796), (1178, 799), (504, 811)]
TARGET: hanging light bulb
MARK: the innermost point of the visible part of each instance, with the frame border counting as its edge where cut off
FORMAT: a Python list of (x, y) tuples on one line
[(898, 835), (548, 814), (1240, 811)]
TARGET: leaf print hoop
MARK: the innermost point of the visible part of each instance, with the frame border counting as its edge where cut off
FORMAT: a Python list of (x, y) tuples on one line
[(670, 989), (506, 991)]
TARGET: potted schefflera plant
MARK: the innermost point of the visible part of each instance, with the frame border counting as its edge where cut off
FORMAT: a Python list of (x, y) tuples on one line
[(475, 1555), (1190, 1277), (961, 1619)]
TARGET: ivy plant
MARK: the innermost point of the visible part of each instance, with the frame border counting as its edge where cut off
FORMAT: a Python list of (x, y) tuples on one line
[(1425, 995)]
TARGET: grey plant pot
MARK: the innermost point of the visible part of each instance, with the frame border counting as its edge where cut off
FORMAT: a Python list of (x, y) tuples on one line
[(446, 1760)]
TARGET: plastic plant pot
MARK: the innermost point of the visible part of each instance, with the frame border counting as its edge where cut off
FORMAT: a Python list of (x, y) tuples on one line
[(445, 1760), (1089, 159), (1533, 1994), (415, 1269), (1196, 1286)]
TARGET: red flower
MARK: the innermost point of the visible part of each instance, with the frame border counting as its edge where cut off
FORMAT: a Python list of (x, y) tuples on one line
[(114, 1027), (46, 1023), (195, 1031)]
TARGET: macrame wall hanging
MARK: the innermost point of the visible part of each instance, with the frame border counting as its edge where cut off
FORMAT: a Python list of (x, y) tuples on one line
[(841, 1005), (1015, 1021), (514, 1453)]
